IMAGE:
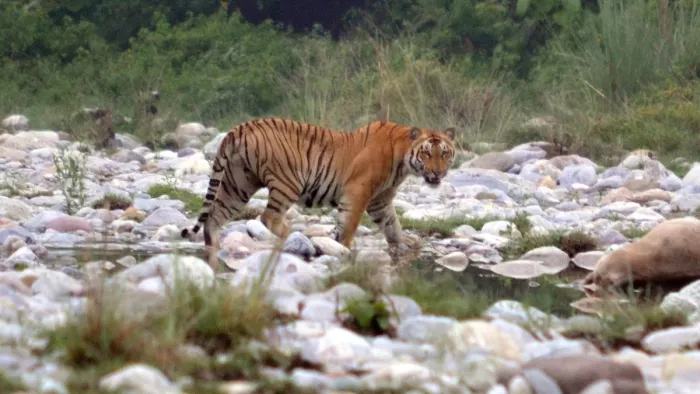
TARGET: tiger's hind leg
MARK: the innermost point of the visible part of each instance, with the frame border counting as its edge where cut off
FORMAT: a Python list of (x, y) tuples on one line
[(236, 189), (278, 203)]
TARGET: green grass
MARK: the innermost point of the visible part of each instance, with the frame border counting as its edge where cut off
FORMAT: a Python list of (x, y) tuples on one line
[(369, 316), (633, 232), (10, 385), (627, 325), (445, 227), (572, 242), (463, 295), (225, 322), (193, 202)]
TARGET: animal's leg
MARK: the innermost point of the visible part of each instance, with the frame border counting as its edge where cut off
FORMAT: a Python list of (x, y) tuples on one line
[(383, 214), (278, 203), (235, 191), (351, 207)]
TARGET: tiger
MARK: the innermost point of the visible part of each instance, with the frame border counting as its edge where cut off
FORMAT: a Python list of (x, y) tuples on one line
[(303, 163)]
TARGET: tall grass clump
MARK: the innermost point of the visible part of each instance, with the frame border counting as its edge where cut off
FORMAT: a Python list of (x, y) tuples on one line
[(226, 323), (612, 81), (346, 84), (634, 44)]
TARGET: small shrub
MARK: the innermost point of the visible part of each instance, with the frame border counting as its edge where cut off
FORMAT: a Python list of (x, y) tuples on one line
[(113, 201), (70, 176), (575, 242), (633, 232), (572, 243), (522, 223), (94, 126), (369, 316)]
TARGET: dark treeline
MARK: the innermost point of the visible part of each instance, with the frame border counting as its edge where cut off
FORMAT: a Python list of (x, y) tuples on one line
[(512, 30), (611, 73)]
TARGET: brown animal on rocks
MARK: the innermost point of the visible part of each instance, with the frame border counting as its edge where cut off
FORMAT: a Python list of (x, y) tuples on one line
[(670, 251)]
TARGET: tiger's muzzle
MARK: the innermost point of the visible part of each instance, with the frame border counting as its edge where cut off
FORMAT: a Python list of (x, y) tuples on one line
[(434, 178)]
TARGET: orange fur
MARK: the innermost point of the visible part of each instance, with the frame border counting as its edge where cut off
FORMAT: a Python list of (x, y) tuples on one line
[(316, 166)]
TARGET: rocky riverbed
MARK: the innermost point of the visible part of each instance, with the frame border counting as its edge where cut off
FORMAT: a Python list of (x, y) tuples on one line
[(519, 219)]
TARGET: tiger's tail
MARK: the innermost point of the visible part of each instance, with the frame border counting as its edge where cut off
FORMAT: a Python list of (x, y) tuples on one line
[(218, 171)]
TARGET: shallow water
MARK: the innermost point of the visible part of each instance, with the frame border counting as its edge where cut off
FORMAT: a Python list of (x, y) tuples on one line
[(551, 294), (81, 254)]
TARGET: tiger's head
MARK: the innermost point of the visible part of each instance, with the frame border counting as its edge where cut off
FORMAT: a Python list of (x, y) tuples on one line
[(432, 154)]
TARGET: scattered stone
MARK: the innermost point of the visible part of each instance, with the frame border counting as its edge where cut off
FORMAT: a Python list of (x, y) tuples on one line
[(587, 260), (298, 243), (553, 259), (499, 161), (140, 378), (455, 261), (15, 123), (52, 260)]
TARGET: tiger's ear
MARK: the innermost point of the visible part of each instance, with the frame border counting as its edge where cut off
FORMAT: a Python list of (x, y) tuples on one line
[(450, 133), (415, 132)]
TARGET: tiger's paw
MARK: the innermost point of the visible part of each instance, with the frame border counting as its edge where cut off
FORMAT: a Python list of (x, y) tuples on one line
[(408, 243), (412, 241)]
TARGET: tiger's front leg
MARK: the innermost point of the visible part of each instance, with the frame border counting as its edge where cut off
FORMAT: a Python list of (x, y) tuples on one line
[(350, 209), (382, 212)]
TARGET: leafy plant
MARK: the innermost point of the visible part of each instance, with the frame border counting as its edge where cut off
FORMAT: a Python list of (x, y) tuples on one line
[(369, 315), (70, 176)]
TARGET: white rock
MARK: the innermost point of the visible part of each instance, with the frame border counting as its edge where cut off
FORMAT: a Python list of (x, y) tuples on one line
[(192, 128), (455, 261), (211, 147), (329, 246), (22, 256), (14, 209), (588, 260), (519, 385), (257, 230), (426, 329), (337, 345), (554, 260), (30, 140), (53, 284), (141, 378), (599, 387), (372, 256), (692, 177), (174, 268), (163, 216), (671, 339), (166, 233), (645, 214), (14, 123), (319, 310), (288, 270), (520, 269), (498, 227), (477, 334)]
